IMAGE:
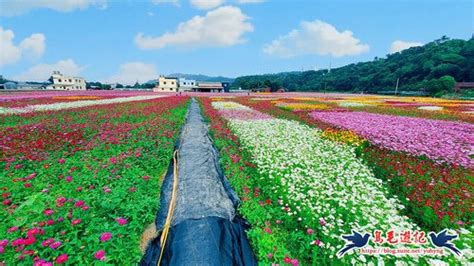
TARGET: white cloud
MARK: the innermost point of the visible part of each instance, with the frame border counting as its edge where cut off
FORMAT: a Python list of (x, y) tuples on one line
[(398, 46), (316, 37), (34, 43), (206, 4), (250, 1), (17, 7), (221, 27), (42, 72), (11, 53), (131, 72), (158, 2)]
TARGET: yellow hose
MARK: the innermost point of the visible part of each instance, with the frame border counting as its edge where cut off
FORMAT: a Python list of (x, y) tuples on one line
[(166, 228)]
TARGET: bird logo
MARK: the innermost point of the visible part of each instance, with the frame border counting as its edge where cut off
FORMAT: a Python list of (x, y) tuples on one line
[(442, 240), (356, 240)]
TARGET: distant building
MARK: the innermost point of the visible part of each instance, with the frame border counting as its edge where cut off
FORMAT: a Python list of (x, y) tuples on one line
[(187, 84), (210, 87), (61, 82), (226, 86), (166, 84)]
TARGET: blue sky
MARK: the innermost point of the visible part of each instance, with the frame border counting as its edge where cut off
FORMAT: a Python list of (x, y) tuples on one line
[(125, 41)]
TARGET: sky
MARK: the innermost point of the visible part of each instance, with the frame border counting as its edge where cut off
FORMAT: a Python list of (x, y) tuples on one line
[(127, 41)]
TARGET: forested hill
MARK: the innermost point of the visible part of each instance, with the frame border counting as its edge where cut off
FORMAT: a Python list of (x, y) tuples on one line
[(433, 66)]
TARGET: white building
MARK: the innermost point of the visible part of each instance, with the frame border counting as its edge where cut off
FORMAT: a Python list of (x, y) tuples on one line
[(61, 82), (187, 84), (166, 84)]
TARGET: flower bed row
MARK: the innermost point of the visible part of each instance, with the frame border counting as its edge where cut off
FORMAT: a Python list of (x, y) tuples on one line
[(441, 141), (79, 187), (316, 181), (75, 104), (414, 180)]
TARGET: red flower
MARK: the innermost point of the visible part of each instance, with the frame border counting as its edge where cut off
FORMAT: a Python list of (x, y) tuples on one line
[(100, 255), (287, 259), (6, 202), (62, 259)]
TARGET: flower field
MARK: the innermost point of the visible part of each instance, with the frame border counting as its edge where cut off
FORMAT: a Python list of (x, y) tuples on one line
[(81, 173), (79, 186), (315, 184)]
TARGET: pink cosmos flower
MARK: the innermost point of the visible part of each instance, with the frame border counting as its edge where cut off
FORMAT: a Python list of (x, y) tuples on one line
[(113, 160), (17, 242), (4, 242), (48, 212), (61, 161), (146, 178), (310, 231), (76, 221), (2, 249), (100, 255), (322, 222), (85, 208), (68, 178), (55, 245), (105, 236), (62, 259), (12, 229), (79, 203), (47, 242), (121, 221), (50, 222), (294, 262), (107, 189)]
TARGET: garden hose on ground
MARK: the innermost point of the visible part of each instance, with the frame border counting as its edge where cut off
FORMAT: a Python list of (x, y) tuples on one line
[(166, 228)]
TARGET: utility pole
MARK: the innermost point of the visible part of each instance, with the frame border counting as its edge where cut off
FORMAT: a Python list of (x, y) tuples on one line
[(396, 87)]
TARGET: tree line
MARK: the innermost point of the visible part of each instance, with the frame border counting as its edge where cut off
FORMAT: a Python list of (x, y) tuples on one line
[(432, 68)]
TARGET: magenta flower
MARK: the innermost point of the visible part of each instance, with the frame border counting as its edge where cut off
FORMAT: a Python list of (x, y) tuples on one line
[(55, 245), (113, 160), (62, 259), (107, 189), (4, 242), (270, 255), (48, 212), (79, 203), (105, 236), (76, 221), (68, 178), (310, 231), (61, 161), (12, 229), (316, 242), (146, 178), (47, 242), (121, 221), (2, 249), (100, 255), (17, 242)]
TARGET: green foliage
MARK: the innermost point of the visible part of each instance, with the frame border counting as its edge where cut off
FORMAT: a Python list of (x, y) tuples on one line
[(416, 68)]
